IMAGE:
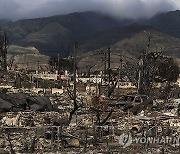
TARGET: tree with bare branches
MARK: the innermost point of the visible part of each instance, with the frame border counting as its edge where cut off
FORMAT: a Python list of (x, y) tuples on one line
[(153, 68)]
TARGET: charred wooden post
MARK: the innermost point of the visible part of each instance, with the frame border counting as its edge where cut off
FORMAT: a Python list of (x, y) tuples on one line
[(33, 144), (3, 50), (86, 141), (94, 134), (10, 144), (61, 137)]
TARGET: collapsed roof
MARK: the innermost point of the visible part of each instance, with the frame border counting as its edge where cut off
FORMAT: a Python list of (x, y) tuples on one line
[(22, 101)]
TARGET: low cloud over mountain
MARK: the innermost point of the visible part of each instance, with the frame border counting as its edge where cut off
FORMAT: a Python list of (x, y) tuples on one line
[(19, 9)]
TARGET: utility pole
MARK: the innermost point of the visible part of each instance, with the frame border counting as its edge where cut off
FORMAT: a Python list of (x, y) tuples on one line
[(109, 63), (141, 63), (3, 49), (105, 59), (5, 52), (121, 61), (38, 66), (27, 66), (74, 71), (149, 40), (120, 73), (58, 63)]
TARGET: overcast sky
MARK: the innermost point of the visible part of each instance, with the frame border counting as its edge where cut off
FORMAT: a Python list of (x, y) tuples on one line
[(21, 9)]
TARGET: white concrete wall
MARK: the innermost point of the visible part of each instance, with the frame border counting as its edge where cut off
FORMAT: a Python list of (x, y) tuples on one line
[(125, 85), (56, 90), (46, 76), (92, 80)]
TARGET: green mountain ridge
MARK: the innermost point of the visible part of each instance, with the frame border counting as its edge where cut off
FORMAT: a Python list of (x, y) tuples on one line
[(168, 23), (63, 29), (134, 38), (128, 41), (92, 31)]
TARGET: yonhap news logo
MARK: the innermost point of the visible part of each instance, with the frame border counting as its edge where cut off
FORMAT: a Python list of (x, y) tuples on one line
[(126, 140)]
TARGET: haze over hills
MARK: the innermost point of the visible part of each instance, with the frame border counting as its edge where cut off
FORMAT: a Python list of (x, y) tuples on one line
[(94, 31), (4, 21)]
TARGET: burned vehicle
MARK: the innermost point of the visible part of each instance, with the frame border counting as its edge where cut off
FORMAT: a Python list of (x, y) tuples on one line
[(133, 103)]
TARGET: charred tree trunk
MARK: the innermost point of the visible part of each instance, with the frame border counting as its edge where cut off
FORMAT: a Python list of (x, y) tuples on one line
[(33, 144), (107, 117), (111, 88), (10, 144), (98, 116), (76, 107), (74, 96)]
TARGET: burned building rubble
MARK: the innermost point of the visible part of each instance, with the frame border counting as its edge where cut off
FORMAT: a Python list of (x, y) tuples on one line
[(34, 119), (37, 124), (101, 112)]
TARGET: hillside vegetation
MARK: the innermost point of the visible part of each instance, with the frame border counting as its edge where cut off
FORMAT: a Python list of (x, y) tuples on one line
[(21, 58), (168, 23), (94, 33), (127, 42), (54, 34)]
